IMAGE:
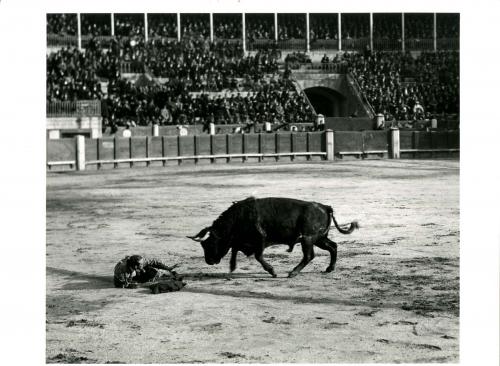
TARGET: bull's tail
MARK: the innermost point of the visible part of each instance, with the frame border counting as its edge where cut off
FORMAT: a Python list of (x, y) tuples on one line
[(344, 229)]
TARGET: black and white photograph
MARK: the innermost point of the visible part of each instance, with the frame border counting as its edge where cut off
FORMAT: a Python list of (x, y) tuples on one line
[(260, 183)]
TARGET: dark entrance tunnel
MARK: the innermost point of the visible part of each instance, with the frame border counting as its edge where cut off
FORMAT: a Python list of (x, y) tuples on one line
[(327, 102)]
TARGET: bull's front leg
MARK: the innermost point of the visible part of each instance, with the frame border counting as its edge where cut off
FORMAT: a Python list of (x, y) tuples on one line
[(267, 266), (308, 251), (232, 262)]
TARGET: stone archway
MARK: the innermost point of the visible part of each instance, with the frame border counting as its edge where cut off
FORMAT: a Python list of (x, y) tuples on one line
[(327, 101)]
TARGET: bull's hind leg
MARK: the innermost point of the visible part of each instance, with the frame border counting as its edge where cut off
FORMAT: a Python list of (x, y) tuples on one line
[(331, 246), (308, 251), (232, 262), (267, 266)]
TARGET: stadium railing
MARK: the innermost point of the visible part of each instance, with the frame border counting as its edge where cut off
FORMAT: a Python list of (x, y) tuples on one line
[(79, 108), (415, 44), (384, 44), (292, 44), (104, 40), (355, 44), (448, 44), (61, 40), (132, 67), (335, 68), (354, 85), (228, 40), (324, 44)]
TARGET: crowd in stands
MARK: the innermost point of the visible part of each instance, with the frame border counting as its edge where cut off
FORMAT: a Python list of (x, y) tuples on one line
[(195, 25), (274, 100), (448, 26), (259, 27), (129, 25), (62, 24), (291, 26), (72, 75), (387, 26), (227, 26), (199, 81), (323, 26), (355, 26), (405, 88), (96, 24), (162, 25), (418, 26)]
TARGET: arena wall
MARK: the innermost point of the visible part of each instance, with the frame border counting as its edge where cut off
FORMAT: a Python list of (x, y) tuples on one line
[(57, 127), (145, 150)]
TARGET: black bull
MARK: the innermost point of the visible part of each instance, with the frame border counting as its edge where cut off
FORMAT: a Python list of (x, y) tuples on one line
[(251, 225)]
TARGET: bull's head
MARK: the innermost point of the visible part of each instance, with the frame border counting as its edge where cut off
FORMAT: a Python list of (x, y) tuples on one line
[(212, 245)]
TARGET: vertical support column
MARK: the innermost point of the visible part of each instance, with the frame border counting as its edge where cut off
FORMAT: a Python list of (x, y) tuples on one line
[(112, 24), (308, 41), (80, 152), (228, 148), (79, 30), (196, 148), (98, 152), (115, 151), (164, 149), (146, 27), (371, 32), (261, 147), (434, 32), (130, 151), (308, 144), (276, 27), (179, 150), (243, 33), (292, 146), (403, 32), (339, 30), (395, 146), (277, 145), (212, 160), (179, 26), (148, 149), (211, 27), (244, 146), (329, 145)]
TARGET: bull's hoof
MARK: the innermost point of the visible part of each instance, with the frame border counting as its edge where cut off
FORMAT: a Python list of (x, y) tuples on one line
[(292, 274), (274, 275), (329, 269)]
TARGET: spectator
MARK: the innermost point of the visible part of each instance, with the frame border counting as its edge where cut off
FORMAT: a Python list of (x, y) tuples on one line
[(62, 24), (126, 132)]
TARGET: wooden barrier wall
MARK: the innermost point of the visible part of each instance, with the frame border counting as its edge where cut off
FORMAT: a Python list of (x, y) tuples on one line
[(146, 150)]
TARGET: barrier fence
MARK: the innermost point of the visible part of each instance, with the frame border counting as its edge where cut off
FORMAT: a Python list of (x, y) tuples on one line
[(419, 44), (81, 152), (355, 44), (383, 44), (87, 108), (324, 44), (61, 40), (292, 44), (452, 44)]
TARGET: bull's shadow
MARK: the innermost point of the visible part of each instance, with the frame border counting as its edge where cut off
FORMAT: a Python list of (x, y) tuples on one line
[(201, 276)]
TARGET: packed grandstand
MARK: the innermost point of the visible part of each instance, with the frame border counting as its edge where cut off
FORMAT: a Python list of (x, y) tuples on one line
[(205, 71)]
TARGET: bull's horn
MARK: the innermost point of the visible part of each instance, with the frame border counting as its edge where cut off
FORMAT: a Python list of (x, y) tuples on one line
[(200, 235)]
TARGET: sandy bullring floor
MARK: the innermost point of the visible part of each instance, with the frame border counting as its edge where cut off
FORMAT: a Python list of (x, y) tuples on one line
[(393, 297)]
